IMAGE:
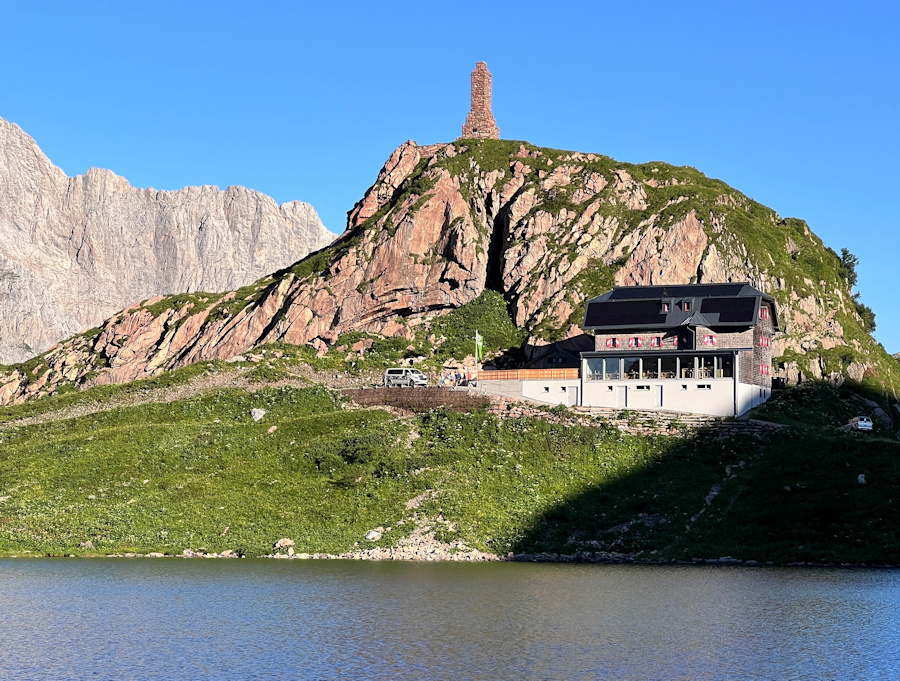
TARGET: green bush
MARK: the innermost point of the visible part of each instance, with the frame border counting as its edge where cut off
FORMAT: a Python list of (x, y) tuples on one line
[(488, 315)]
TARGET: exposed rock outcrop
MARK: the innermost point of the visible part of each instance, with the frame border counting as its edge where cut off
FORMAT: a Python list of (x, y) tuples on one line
[(75, 250), (547, 228)]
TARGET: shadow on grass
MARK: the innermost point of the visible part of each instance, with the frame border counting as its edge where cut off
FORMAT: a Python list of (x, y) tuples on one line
[(794, 497)]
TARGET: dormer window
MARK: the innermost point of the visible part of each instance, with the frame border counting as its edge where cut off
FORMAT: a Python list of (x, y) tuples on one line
[(665, 307), (686, 305)]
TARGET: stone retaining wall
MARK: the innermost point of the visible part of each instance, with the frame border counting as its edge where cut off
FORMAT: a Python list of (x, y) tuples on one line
[(417, 399), (637, 422), (631, 421)]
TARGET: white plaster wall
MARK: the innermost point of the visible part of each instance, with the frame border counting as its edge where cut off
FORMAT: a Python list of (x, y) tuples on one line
[(557, 391), (750, 396), (718, 400)]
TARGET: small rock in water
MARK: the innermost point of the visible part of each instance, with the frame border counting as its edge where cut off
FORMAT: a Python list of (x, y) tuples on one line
[(861, 478), (257, 414)]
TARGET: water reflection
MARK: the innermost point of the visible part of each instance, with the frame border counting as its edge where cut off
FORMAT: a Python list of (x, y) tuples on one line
[(327, 620)]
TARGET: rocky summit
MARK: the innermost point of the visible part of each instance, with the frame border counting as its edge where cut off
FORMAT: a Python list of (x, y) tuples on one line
[(74, 250), (548, 229)]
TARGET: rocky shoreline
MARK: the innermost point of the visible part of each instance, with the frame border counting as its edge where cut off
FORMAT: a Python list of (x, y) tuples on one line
[(474, 555), (423, 546)]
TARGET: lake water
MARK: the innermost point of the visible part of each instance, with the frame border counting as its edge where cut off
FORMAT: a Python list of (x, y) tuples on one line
[(266, 619)]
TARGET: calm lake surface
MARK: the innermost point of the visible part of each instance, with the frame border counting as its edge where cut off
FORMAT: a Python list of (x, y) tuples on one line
[(266, 619)]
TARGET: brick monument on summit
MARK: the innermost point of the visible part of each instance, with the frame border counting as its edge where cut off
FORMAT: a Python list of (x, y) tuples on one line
[(480, 123)]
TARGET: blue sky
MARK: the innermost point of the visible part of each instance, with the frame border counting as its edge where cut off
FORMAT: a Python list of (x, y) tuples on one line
[(793, 103)]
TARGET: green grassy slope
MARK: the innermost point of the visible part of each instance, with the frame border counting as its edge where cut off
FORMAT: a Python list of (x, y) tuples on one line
[(200, 473)]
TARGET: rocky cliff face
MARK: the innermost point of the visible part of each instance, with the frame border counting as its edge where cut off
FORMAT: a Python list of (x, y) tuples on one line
[(547, 228), (75, 250)]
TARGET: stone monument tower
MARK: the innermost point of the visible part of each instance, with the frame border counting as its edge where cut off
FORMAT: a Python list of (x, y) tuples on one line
[(480, 122)]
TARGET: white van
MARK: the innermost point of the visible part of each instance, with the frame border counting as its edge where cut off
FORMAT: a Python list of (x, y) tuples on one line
[(404, 377), (860, 423)]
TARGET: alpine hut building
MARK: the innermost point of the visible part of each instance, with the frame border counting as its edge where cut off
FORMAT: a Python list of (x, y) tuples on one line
[(700, 348)]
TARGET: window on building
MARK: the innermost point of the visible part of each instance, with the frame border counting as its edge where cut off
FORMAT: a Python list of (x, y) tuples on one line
[(593, 369), (631, 368), (686, 306), (656, 341), (668, 367), (704, 386), (687, 366), (724, 366), (634, 342), (650, 367), (706, 366), (764, 370), (642, 387), (612, 342), (611, 368), (765, 342), (763, 312), (556, 360), (709, 340), (665, 307)]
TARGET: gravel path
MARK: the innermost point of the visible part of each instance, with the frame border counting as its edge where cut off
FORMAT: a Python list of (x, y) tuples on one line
[(233, 378)]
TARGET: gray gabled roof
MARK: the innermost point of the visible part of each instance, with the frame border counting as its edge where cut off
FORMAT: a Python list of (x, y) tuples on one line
[(663, 307)]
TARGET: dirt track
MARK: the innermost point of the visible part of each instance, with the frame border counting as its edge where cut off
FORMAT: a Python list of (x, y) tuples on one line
[(233, 378)]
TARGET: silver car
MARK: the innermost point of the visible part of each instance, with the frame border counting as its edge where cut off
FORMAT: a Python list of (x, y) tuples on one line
[(860, 423), (404, 377)]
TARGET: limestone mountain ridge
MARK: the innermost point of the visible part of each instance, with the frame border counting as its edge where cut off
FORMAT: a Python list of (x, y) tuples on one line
[(74, 250), (546, 228)]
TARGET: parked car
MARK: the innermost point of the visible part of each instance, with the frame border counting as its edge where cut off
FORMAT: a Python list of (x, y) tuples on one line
[(404, 377), (860, 423)]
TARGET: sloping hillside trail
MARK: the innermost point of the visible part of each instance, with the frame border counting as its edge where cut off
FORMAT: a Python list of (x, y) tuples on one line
[(235, 378)]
